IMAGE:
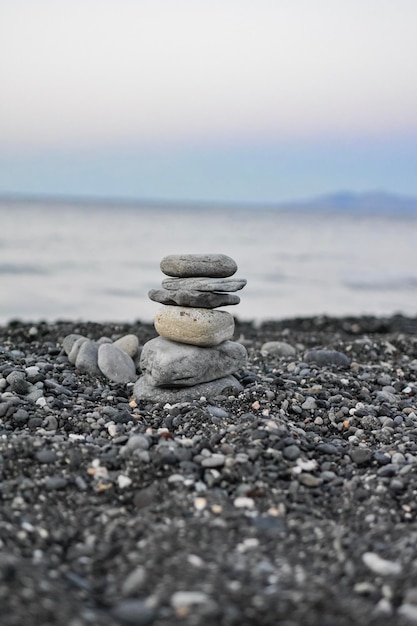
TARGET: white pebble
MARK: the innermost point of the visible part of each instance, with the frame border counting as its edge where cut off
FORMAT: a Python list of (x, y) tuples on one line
[(243, 502), (195, 560), (381, 566), (183, 599), (123, 481), (112, 429)]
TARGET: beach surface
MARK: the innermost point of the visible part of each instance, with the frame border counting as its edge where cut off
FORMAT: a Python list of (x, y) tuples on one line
[(291, 502)]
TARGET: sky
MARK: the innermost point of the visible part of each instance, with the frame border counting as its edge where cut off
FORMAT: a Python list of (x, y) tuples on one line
[(208, 100)]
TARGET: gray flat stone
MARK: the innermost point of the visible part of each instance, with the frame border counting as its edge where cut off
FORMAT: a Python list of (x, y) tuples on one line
[(205, 284), (144, 389), (192, 297), (327, 357), (86, 360), (115, 364), (278, 348), (186, 265), (198, 327), (172, 364)]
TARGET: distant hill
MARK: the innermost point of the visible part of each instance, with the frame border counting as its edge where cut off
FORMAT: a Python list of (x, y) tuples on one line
[(371, 202), (375, 201)]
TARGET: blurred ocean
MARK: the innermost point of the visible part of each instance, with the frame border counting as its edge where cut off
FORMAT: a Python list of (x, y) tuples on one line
[(97, 262)]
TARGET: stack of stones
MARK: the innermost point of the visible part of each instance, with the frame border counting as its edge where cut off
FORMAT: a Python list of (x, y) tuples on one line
[(194, 354)]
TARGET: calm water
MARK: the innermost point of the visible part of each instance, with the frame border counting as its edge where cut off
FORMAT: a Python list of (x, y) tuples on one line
[(98, 262)]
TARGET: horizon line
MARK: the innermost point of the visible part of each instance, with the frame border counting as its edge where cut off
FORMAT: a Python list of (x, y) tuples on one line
[(307, 202)]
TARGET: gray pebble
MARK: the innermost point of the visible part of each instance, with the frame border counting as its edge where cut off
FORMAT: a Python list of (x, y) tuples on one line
[(54, 483), (17, 382), (86, 360), (216, 411), (115, 364), (278, 348), (309, 404), (361, 456), (50, 422), (46, 456), (308, 480), (75, 348), (370, 422), (138, 442), (135, 612), (327, 357), (215, 460), (134, 582), (291, 453)]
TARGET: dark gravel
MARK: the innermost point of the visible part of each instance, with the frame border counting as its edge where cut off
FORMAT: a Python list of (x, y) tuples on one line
[(291, 503)]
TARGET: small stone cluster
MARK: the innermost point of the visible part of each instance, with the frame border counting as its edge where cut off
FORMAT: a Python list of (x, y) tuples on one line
[(114, 360), (194, 354)]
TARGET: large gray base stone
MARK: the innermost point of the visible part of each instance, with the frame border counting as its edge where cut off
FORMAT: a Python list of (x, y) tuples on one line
[(145, 389)]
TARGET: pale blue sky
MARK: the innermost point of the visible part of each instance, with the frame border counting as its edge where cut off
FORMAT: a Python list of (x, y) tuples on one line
[(208, 100)]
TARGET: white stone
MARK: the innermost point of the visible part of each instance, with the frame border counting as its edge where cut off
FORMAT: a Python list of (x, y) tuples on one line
[(185, 599), (129, 344), (381, 566)]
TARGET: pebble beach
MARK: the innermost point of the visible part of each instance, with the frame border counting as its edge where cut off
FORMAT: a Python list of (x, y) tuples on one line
[(291, 501)]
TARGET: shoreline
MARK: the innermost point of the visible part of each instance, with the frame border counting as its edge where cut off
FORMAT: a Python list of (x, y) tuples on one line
[(291, 502)]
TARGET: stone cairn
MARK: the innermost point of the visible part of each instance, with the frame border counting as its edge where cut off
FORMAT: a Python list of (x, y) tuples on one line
[(194, 354)]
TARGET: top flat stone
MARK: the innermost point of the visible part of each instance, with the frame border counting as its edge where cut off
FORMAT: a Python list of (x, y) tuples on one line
[(190, 265)]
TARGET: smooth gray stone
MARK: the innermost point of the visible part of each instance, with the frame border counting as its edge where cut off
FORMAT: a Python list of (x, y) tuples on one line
[(186, 265), (172, 364), (73, 353), (115, 364), (144, 389), (69, 341), (194, 298), (327, 357), (86, 360), (278, 348), (205, 284)]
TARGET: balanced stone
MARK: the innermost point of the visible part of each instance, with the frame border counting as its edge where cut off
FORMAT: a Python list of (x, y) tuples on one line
[(205, 283), (192, 297), (185, 265), (195, 326), (172, 364), (145, 389)]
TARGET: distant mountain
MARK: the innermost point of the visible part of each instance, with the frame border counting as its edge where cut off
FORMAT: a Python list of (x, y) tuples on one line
[(371, 202), (374, 201)]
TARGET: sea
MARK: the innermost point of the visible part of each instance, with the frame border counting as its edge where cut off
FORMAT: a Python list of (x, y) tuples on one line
[(91, 261)]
